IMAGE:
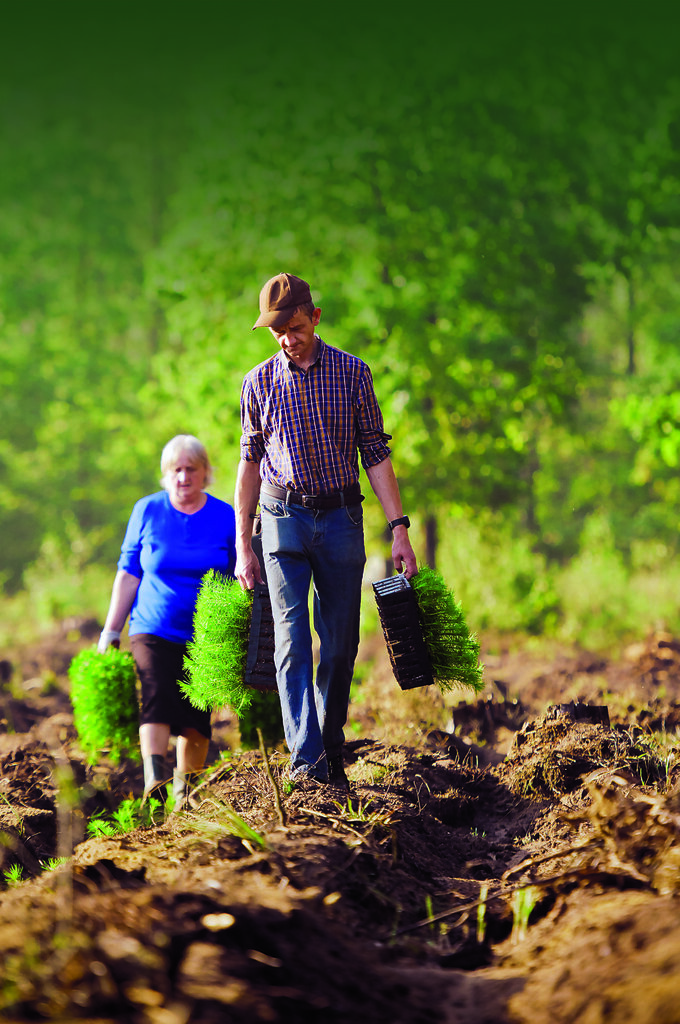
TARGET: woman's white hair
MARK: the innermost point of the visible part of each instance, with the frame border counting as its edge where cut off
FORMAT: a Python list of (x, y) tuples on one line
[(193, 447)]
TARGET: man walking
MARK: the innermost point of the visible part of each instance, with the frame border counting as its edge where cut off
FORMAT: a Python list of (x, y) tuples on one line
[(307, 414)]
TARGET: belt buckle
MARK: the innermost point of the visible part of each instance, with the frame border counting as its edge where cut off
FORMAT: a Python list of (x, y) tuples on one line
[(307, 500)]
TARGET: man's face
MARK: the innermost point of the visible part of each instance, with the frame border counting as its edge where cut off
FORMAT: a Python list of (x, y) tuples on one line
[(296, 338)]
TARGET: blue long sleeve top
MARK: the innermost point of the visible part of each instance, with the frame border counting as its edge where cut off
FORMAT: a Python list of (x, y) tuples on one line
[(170, 552)]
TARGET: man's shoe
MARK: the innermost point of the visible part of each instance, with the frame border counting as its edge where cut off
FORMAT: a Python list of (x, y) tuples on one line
[(336, 773), (305, 780)]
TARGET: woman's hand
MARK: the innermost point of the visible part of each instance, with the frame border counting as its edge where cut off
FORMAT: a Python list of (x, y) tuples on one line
[(108, 638)]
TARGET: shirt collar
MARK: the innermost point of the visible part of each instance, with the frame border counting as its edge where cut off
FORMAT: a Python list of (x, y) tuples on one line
[(287, 364)]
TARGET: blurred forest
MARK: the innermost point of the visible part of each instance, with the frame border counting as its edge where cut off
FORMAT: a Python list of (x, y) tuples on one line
[(487, 206)]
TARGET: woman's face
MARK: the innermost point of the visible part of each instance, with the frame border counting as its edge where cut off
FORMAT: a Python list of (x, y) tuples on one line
[(185, 480)]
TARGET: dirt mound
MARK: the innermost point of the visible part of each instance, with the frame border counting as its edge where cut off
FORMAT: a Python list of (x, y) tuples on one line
[(657, 660), (523, 868)]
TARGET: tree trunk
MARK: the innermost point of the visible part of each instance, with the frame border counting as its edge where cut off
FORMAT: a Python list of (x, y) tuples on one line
[(632, 367), (431, 541)]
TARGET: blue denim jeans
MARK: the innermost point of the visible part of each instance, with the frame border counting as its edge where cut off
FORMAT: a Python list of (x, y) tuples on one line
[(304, 546)]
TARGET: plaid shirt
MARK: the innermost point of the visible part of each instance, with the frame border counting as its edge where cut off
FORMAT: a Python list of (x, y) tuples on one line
[(307, 428)]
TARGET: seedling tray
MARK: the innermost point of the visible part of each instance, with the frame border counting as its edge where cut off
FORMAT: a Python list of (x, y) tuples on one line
[(398, 611)]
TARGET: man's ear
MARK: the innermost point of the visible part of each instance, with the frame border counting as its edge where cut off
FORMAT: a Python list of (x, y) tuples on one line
[(316, 316)]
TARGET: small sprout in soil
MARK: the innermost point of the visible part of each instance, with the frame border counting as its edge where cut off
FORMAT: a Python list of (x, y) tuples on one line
[(53, 863), (226, 822), (429, 910), (127, 817), (523, 902), (99, 826), (14, 876), (481, 912), (361, 812)]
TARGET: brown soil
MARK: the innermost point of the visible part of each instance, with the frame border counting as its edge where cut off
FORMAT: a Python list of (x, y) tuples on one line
[(524, 867)]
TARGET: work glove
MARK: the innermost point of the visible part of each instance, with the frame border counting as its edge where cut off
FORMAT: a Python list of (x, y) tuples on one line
[(108, 638)]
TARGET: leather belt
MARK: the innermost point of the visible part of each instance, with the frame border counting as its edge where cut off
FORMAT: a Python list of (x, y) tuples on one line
[(338, 499)]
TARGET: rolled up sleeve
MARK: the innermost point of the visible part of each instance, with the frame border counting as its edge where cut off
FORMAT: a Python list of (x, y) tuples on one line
[(252, 438), (371, 437)]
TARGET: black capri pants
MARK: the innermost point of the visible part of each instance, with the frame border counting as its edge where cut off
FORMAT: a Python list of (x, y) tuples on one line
[(160, 664)]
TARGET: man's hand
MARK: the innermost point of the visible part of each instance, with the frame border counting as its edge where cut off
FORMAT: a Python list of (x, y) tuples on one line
[(403, 555), (247, 570), (384, 483)]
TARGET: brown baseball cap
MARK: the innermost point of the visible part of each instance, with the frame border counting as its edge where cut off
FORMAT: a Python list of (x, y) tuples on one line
[(279, 299)]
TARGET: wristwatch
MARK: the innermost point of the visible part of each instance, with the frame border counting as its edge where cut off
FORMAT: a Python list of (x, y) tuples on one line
[(401, 521)]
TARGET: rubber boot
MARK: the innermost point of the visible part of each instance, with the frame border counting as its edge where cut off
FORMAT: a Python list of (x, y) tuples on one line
[(155, 775), (336, 772), (182, 784)]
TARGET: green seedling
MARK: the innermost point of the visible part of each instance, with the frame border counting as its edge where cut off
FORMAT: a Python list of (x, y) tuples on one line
[(99, 826), (523, 902), (452, 648), (14, 876), (216, 657), (361, 813), (429, 910), (104, 698), (53, 863), (481, 912), (225, 821), (128, 816)]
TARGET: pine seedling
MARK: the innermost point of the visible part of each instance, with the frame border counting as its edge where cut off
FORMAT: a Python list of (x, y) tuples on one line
[(53, 864), (216, 657), (129, 815), (14, 876), (104, 699), (453, 650), (126, 816), (99, 826)]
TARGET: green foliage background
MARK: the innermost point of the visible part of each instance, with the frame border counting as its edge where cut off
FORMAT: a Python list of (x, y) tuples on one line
[(486, 202)]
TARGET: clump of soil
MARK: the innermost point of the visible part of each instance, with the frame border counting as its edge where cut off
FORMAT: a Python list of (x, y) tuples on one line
[(522, 868)]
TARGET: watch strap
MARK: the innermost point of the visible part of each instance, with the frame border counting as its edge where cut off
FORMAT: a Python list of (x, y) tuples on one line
[(401, 521)]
